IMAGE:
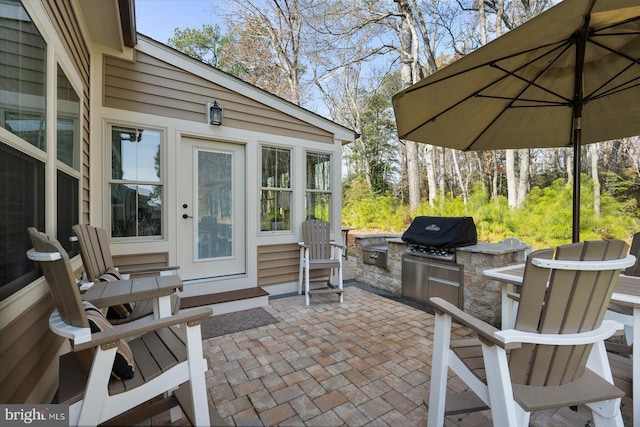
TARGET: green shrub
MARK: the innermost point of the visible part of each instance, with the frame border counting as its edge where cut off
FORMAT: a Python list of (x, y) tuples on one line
[(543, 220)]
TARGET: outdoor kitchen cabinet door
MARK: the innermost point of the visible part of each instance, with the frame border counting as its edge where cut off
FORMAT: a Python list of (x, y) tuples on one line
[(446, 282)]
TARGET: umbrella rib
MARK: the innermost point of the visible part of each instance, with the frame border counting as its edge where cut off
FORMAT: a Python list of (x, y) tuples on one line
[(555, 45), (533, 82), (617, 24), (530, 83), (617, 89), (564, 46), (634, 61), (538, 101)]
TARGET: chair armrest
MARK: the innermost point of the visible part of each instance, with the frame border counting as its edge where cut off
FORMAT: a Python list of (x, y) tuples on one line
[(337, 245), (136, 328), (485, 331), (606, 329), (302, 245), (561, 264)]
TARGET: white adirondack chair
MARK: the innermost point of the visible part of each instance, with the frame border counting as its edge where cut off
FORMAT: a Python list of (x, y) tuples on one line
[(165, 358), (318, 252), (555, 354), (98, 263)]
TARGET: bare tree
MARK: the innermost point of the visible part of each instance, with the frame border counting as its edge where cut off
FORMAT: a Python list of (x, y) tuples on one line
[(279, 23)]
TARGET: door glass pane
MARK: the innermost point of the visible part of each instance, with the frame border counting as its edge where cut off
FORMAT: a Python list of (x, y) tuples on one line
[(215, 201)]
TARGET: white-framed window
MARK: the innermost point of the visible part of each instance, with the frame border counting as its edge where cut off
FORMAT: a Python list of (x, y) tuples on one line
[(318, 188), (135, 182), (275, 189), (68, 148), (40, 144)]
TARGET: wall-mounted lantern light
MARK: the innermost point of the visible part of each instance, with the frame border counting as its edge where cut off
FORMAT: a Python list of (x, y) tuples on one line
[(214, 113)]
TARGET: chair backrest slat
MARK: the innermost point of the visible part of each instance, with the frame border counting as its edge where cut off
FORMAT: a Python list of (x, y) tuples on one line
[(316, 235), (60, 279), (94, 249), (555, 301)]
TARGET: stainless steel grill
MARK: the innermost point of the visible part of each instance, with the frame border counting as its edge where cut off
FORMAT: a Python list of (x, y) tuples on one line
[(425, 276), (434, 253), (429, 267)]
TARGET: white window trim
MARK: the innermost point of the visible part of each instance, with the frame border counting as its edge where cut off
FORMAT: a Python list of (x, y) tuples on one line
[(332, 183), (290, 190), (108, 124)]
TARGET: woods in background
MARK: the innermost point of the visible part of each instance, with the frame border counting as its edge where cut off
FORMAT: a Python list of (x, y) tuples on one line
[(345, 59)]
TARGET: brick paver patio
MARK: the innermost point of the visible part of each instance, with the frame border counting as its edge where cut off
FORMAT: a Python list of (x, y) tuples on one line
[(363, 362)]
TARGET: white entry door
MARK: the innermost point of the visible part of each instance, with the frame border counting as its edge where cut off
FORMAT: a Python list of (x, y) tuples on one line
[(212, 209)]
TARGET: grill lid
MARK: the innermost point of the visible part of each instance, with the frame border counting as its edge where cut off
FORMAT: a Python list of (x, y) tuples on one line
[(441, 232)]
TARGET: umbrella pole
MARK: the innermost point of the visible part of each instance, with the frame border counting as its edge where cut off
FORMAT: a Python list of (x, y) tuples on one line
[(578, 102), (576, 186)]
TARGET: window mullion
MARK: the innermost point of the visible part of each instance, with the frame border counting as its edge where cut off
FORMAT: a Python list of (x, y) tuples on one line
[(51, 178)]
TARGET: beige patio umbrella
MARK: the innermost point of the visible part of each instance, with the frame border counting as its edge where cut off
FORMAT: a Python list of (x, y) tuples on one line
[(567, 77)]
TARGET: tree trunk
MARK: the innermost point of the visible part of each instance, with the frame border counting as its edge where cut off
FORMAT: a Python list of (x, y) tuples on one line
[(461, 179), (593, 149), (442, 181), (496, 171), (431, 176), (523, 179), (413, 175), (512, 196), (409, 75)]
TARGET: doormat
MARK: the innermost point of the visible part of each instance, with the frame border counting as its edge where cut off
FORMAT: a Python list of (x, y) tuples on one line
[(223, 324)]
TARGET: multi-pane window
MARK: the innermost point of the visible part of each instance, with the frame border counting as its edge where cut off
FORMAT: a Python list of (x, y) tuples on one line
[(23, 157), (136, 182), (68, 155), (21, 206), (275, 189), (318, 192)]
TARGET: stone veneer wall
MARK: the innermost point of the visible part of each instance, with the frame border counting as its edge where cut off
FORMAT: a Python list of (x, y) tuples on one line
[(386, 279), (483, 297)]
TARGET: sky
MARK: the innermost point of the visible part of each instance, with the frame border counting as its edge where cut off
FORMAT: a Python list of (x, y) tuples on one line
[(158, 18)]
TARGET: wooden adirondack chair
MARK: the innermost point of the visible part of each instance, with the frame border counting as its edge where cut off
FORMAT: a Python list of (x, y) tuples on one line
[(165, 358), (620, 353), (553, 357), (99, 266), (318, 252)]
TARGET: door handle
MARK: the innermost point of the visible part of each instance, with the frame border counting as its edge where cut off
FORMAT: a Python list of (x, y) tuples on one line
[(185, 216)]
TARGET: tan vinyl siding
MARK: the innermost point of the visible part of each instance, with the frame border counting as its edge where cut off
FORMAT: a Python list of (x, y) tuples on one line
[(27, 348), (66, 24), (146, 260), (281, 264), (152, 86)]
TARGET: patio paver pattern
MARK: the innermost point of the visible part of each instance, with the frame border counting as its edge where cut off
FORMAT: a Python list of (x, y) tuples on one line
[(363, 362)]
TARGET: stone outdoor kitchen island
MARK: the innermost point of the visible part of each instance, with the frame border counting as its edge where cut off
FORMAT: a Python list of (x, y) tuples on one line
[(481, 297)]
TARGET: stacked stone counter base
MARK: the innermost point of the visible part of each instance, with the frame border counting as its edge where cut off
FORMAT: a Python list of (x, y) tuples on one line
[(482, 297), (385, 279)]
